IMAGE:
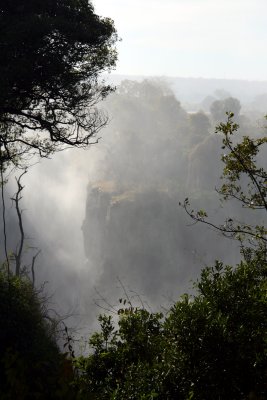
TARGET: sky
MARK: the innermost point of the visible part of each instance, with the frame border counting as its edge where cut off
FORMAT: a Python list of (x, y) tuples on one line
[(223, 39)]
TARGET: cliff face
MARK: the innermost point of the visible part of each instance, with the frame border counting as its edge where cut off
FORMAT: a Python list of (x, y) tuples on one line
[(133, 235), (156, 155), (204, 165), (142, 237)]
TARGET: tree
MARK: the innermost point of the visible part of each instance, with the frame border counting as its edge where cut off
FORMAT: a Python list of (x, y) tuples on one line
[(245, 181), (212, 345), (52, 53), (199, 127), (209, 346), (219, 108), (28, 349), (219, 336)]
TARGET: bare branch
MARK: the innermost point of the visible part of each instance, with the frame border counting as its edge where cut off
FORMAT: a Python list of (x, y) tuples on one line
[(32, 266), (16, 199), (227, 230)]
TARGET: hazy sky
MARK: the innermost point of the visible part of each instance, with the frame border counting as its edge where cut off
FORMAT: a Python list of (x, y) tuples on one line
[(194, 38)]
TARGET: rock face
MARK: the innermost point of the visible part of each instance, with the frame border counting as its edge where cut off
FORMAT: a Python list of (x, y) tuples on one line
[(141, 236), (134, 229), (133, 234), (204, 165)]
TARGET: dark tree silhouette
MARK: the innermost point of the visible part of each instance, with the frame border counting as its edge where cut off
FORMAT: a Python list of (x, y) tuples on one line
[(52, 53)]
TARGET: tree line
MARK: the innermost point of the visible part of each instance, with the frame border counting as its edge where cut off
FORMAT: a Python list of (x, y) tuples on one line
[(211, 345)]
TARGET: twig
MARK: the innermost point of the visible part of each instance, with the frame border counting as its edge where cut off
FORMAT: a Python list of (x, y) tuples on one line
[(4, 216), (16, 199), (32, 267)]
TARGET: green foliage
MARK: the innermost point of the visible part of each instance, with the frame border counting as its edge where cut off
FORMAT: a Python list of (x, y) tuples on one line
[(31, 365), (209, 346), (245, 181), (239, 161), (212, 345), (122, 356), (221, 333)]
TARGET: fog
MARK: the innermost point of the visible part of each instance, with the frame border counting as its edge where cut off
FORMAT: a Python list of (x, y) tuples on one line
[(108, 219)]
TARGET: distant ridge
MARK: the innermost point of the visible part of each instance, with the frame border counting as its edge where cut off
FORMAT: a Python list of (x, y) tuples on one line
[(196, 89)]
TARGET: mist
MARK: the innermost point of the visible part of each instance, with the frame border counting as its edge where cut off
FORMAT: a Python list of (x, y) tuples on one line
[(108, 219)]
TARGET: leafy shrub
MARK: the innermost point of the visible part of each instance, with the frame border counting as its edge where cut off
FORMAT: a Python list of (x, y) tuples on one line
[(209, 346), (31, 365)]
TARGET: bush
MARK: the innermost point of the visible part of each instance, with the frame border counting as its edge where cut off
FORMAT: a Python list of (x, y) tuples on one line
[(31, 365), (209, 346)]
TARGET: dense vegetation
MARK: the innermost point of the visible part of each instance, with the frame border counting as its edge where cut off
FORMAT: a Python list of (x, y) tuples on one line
[(209, 345), (212, 345), (51, 56), (155, 154), (31, 364)]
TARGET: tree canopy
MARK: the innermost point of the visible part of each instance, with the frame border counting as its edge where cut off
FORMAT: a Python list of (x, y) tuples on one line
[(244, 180), (219, 108), (28, 349), (52, 53), (211, 345)]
